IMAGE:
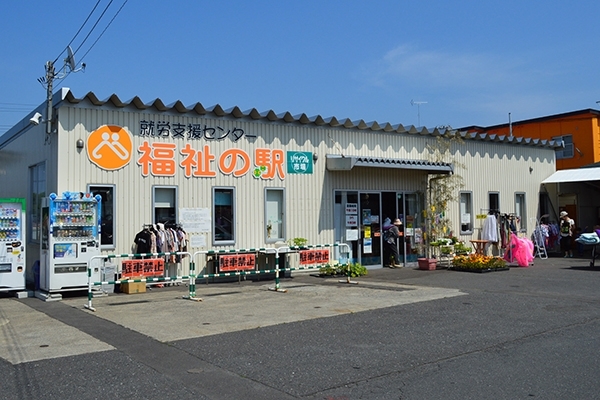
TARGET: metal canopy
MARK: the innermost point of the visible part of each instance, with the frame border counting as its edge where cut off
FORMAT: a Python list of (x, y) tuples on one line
[(346, 163), (574, 175)]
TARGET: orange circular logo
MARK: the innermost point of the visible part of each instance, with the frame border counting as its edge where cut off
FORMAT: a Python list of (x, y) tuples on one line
[(109, 147)]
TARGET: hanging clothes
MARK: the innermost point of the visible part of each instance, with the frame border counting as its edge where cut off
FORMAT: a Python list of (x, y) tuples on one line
[(489, 230), (143, 241)]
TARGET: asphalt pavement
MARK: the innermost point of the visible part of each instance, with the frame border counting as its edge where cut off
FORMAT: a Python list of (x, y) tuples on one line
[(393, 334)]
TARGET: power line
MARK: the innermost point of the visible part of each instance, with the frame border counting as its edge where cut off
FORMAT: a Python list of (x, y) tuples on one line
[(80, 28), (93, 27), (98, 38), (102, 33)]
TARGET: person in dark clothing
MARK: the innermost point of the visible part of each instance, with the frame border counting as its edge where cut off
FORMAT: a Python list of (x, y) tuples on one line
[(391, 236)]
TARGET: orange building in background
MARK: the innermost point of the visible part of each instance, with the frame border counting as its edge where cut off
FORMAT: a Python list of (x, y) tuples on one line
[(579, 130)]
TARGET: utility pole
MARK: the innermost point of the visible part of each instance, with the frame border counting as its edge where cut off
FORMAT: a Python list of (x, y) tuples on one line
[(50, 74), (48, 82)]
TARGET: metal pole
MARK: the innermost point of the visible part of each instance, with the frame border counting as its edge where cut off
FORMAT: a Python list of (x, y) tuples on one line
[(49, 80)]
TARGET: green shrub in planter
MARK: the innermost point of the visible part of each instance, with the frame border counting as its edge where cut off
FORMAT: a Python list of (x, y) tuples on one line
[(461, 248), (446, 250), (356, 269)]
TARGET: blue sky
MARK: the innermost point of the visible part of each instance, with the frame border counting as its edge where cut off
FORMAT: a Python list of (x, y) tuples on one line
[(460, 62)]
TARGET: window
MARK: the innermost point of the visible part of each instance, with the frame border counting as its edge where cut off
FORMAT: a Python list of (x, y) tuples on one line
[(274, 215), (568, 150), (164, 204), (521, 210), (37, 191), (494, 201), (466, 213), (224, 216), (107, 212)]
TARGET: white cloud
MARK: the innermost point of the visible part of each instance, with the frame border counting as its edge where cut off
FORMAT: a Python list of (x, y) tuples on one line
[(439, 69)]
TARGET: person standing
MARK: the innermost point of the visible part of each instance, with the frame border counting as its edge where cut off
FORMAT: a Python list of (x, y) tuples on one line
[(567, 225), (391, 244)]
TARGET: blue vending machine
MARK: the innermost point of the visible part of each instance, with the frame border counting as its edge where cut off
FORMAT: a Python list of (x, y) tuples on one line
[(70, 238)]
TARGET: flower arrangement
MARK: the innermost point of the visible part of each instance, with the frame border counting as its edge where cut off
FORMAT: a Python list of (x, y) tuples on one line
[(478, 261)]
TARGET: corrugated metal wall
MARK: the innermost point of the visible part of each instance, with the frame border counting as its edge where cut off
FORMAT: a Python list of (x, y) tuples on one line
[(489, 166), (309, 201)]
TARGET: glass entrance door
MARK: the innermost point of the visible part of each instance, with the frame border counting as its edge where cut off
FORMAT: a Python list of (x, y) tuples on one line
[(370, 227)]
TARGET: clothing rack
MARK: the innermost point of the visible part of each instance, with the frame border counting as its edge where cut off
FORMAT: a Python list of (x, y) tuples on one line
[(539, 239)]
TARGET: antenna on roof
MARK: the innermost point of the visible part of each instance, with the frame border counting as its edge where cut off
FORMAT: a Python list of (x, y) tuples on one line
[(509, 127), (418, 103), (70, 62)]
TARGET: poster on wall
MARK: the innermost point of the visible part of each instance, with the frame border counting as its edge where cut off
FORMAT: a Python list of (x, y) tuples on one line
[(352, 208), (195, 220), (351, 220), (418, 235), (367, 246), (366, 217), (351, 235)]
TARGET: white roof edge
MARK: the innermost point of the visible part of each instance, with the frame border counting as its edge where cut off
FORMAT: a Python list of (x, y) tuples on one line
[(574, 175)]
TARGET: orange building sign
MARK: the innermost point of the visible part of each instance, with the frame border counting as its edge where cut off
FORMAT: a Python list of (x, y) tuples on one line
[(110, 147)]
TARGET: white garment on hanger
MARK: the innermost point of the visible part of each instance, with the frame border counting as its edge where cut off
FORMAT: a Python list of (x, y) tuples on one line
[(490, 229)]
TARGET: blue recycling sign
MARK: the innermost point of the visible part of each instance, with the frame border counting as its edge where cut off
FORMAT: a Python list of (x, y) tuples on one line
[(299, 162)]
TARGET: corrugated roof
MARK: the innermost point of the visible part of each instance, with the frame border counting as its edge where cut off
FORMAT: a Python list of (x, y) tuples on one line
[(336, 162), (287, 117), (65, 95)]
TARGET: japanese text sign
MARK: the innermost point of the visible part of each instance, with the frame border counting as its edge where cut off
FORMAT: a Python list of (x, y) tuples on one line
[(237, 262), (137, 269), (308, 257)]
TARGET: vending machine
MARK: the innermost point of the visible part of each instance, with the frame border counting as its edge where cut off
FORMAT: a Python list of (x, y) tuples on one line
[(12, 244), (70, 238)]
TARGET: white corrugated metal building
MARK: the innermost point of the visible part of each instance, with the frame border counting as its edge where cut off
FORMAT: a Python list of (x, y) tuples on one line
[(247, 179)]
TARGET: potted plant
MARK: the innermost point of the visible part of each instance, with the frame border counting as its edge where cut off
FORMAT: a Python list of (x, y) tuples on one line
[(460, 248)]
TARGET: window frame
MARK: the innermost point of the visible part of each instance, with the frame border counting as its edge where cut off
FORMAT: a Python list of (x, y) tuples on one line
[(568, 151), (223, 242), (174, 207), (521, 211), (490, 205), (468, 208), (281, 222), (34, 205), (104, 210)]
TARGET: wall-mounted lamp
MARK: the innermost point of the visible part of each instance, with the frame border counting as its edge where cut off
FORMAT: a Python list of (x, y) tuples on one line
[(315, 157), (79, 144), (36, 119)]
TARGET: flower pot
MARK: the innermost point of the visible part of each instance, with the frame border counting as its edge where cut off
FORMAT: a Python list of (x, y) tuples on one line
[(428, 264)]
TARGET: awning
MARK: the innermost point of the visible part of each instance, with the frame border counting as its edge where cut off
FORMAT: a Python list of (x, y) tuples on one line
[(574, 175), (337, 162)]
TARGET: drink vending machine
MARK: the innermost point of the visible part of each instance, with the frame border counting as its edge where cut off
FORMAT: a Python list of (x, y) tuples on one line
[(12, 244), (70, 238)]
